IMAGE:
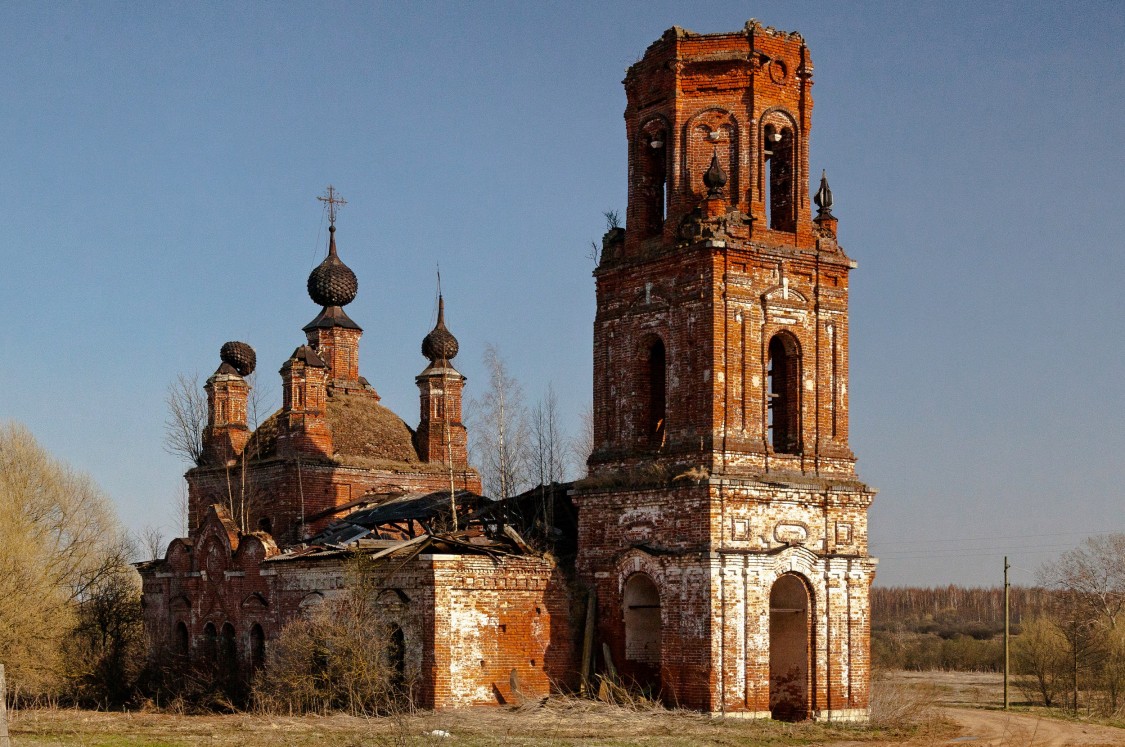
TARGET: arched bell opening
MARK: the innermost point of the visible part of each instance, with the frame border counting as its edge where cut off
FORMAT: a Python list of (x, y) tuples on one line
[(650, 168), (783, 386), (653, 392), (790, 649), (779, 152)]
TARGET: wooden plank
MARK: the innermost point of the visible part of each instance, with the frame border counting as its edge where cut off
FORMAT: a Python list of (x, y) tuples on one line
[(588, 642)]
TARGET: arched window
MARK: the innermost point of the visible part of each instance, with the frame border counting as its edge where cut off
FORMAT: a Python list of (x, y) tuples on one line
[(257, 646), (783, 376), (789, 649), (653, 391), (210, 643), (182, 640), (228, 649), (780, 205)]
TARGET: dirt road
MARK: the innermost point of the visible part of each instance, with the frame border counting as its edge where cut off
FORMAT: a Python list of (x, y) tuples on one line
[(980, 727)]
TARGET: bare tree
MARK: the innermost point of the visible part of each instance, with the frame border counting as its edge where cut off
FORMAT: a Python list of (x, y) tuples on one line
[(582, 446), (548, 453), (105, 651), (1091, 581), (500, 430), (187, 417), (150, 542), (1095, 572), (548, 444), (1039, 654), (59, 539)]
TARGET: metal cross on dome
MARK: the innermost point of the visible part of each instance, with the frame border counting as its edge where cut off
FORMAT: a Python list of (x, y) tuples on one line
[(333, 202)]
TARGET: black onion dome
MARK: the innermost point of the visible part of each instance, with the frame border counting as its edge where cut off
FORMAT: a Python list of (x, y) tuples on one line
[(440, 344), (239, 356), (332, 283)]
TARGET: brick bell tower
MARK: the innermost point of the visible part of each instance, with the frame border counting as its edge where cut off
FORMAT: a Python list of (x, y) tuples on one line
[(722, 525)]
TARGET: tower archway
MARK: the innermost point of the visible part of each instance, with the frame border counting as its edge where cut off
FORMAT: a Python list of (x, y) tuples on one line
[(790, 650), (643, 629)]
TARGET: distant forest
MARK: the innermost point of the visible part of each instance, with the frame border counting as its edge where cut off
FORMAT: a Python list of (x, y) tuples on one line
[(949, 610), (948, 627)]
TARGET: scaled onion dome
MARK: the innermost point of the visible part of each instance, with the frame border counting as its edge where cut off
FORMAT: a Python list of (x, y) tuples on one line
[(440, 344), (239, 356), (332, 283)]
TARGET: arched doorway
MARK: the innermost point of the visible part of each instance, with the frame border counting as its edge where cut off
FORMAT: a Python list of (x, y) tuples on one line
[(643, 630), (789, 649)]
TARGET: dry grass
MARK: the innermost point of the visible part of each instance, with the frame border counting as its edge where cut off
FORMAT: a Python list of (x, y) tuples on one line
[(365, 429), (559, 721), (896, 704)]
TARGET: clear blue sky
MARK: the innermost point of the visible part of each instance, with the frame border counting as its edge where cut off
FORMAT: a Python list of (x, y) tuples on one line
[(159, 164)]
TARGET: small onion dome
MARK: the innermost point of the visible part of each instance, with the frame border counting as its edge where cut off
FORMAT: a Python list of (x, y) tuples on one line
[(715, 178), (440, 344), (823, 197), (332, 283), (239, 356)]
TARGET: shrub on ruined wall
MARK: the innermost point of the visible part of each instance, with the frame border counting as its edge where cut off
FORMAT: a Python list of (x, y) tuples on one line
[(343, 657)]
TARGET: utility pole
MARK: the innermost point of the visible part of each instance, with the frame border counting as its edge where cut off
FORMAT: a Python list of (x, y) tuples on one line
[(1006, 631)]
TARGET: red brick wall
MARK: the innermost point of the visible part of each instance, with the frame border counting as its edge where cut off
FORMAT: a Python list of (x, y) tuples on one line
[(285, 490), (468, 621), (713, 513)]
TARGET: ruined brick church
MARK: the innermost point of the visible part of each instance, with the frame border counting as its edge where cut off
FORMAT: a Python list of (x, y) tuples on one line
[(719, 542)]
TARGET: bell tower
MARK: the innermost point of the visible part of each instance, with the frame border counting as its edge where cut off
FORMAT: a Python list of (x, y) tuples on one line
[(723, 525)]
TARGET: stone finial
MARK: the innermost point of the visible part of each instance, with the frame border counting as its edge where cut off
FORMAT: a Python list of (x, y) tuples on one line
[(715, 178), (823, 198)]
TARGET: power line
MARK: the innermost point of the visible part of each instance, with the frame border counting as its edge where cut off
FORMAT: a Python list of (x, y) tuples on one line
[(994, 538)]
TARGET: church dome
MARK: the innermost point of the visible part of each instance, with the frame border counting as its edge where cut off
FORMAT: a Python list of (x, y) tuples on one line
[(332, 283), (440, 344), (239, 356)]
